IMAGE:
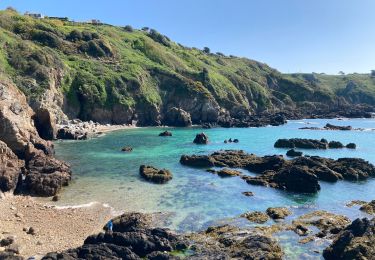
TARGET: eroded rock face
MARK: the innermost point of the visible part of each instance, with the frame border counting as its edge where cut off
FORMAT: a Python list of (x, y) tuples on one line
[(177, 117), (46, 175), (10, 169), (155, 175), (357, 241)]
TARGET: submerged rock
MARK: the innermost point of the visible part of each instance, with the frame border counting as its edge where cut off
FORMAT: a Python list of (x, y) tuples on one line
[(357, 241), (201, 138), (127, 149), (248, 193), (165, 133), (155, 175), (228, 173)]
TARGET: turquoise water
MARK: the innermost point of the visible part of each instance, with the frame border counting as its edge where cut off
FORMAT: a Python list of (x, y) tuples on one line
[(196, 198)]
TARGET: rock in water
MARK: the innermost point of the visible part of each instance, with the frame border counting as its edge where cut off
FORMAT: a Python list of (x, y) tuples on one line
[(201, 138), (127, 149), (335, 145), (369, 208), (357, 241), (329, 126), (155, 175), (278, 213), (351, 146), (300, 143), (293, 153), (228, 173), (165, 133)]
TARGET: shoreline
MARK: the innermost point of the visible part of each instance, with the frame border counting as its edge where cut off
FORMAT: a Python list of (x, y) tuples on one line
[(56, 228)]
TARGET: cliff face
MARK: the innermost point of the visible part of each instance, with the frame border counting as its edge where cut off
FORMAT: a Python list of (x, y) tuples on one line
[(27, 162), (117, 74)]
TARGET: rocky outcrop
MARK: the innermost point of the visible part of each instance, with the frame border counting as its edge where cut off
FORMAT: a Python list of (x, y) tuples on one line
[(11, 169), (43, 174), (78, 130), (46, 175), (132, 237), (155, 175), (301, 174), (278, 213), (201, 138), (310, 144), (369, 207), (256, 217), (329, 126), (357, 241), (135, 237), (227, 242), (177, 117), (301, 143), (351, 146)]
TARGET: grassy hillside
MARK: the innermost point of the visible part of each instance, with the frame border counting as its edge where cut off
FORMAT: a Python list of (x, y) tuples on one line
[(106, 68)]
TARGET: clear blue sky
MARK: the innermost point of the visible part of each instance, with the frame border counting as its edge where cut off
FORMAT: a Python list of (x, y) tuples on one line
[(289, 35)]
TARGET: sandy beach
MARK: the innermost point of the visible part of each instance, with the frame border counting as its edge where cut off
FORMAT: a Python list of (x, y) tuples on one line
[(56, 229)]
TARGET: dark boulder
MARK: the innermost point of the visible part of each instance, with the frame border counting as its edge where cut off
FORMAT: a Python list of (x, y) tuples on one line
[(165, 133), (298, 179), (351, 146), (45, 175), (278, 213), (293, 153), (155, 175), (201, 138)]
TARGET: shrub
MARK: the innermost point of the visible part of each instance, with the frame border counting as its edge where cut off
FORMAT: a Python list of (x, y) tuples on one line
[(74, 36), (157, 37), (206, 50), (45, 38), (128, 28)]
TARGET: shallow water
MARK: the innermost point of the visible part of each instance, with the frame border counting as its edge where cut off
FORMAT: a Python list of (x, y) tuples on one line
[(196, 198)]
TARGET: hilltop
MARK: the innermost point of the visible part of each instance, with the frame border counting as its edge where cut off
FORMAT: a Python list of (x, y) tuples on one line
[(120, 75)]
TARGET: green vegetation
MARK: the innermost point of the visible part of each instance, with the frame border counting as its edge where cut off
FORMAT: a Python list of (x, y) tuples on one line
[(101, 66)]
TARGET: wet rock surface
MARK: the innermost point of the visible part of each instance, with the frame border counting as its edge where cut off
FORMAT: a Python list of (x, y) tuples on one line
[(357, 241), (369, 208), (165, 133), (301, 174), (278, 213), (155, 175), (293, 153), (201, 138), (256, 217)]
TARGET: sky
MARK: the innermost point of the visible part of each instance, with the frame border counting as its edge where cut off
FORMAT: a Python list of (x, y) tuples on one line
[(290, 35)]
